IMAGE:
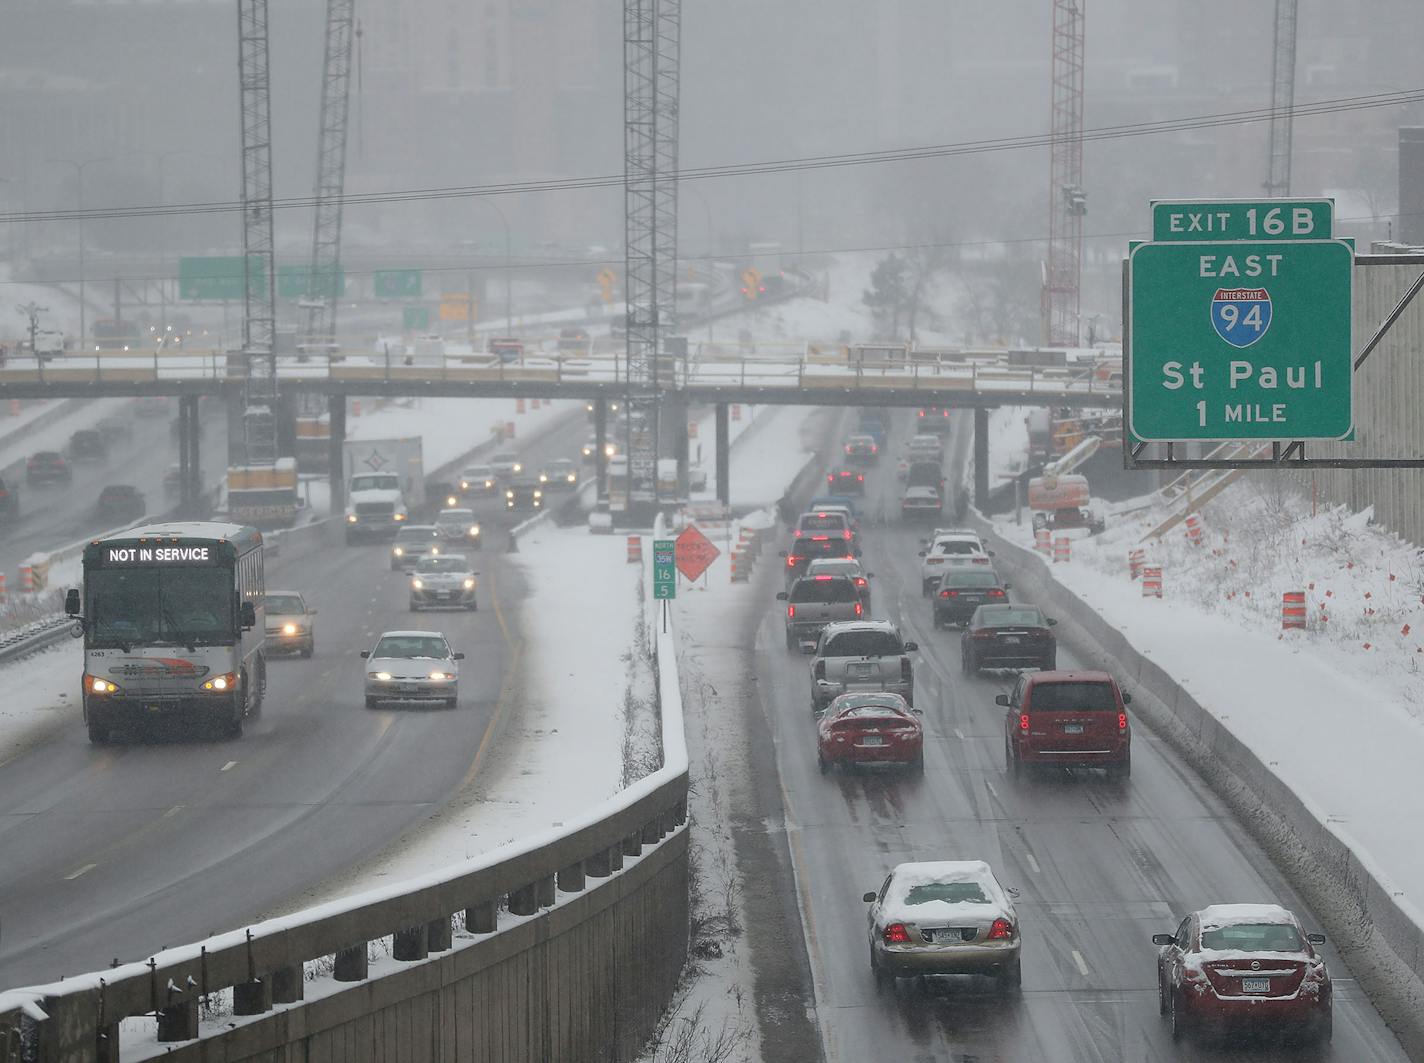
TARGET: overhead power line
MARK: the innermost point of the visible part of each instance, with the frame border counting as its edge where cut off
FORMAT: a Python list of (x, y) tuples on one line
[(705, 173)]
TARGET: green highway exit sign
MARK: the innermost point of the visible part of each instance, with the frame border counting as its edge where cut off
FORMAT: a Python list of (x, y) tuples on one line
[(1231, 338), (664, 569), (396, 283)]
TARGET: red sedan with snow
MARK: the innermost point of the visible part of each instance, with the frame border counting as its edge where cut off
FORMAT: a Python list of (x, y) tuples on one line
[(1243, 966), (870, 729)]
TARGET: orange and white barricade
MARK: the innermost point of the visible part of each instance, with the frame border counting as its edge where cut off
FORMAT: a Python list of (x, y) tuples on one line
[(1151, 581), (1043, 541), (635, 549), (1194, 529), (1293, 610), (1135, 560), (1062, 549)]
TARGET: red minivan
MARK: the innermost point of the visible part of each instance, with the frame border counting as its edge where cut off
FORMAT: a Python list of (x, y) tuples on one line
[(1073, 719)]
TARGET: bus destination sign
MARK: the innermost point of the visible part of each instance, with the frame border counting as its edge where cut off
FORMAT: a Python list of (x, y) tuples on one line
[(161, 555)]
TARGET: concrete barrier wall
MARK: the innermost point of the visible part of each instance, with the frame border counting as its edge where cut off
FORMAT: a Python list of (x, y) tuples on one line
[(1368, 921)]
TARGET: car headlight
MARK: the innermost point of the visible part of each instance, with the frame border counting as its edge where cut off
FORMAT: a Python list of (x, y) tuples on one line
[(384, 677), (509, 494), (489, 484), (399, 551), (289, 629), (518, 467), (417, 584), (469, 584), (351, 518), (474, 529), (223, 682), (440, 675), (450, 500), (464, 485), (400, 516), (99, 685), (572, 478), (435, 549), (543, 477)]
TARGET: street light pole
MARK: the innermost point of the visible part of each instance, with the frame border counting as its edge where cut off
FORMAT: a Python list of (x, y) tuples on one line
[(79, 168)]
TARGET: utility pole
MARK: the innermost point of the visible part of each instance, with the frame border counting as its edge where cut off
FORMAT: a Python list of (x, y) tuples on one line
[(32, 312), (1278, 170), (1066, 198)]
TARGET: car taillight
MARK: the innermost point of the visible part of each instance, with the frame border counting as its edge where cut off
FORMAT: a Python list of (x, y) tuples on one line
[(790, 612), (1122, 721), (847, 448), (984, 633), (860, 581), (846, 534), (995, 592), (791, 562), (873, 448), (859, 609), (896, 934), (1000, 930), (949, 594), (1023, 722), (797, 533), (860, 477)]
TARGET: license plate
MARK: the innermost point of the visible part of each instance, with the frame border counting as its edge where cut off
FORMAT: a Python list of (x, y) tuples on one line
[(408, 688), (1072, 728), (871, 740), (951, 935), (1012, 640), (860, 669), (1255, 985)]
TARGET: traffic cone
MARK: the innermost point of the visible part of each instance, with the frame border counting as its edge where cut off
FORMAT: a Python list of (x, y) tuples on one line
[(1062, 549)]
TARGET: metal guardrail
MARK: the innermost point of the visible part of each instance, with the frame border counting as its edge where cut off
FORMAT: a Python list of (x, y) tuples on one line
[(39, 635), (574, 941)]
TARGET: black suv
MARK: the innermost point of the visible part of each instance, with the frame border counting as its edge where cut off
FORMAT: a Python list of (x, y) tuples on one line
[(87, 445), (121, 502)]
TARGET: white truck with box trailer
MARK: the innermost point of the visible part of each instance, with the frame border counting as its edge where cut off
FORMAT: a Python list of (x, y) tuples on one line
[(385, 484)]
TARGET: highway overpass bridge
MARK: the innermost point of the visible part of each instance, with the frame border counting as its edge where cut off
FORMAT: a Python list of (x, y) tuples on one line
[(809, 374)]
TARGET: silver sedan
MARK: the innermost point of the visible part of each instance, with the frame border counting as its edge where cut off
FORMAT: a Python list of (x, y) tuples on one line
[(943, 917), (412, 666)]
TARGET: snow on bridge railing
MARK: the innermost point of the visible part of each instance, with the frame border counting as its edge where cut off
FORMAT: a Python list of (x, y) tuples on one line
[(545, 876)]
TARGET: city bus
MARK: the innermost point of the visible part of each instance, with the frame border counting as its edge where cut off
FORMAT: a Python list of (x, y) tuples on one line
[(172, 620)]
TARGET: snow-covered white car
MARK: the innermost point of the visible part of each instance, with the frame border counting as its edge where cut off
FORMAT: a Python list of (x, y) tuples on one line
[(943, 917), (948, 549), (412, 666)]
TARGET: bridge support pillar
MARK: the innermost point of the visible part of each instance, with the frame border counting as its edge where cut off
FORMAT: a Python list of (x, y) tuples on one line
[(190, 474), (981, 458), (179, 1021), (410, 944), (524, 900), (438, 934), (571, 878), (336, 416), (672, 426), (600, 446), (482, 918), (724, 454), (252, 998)]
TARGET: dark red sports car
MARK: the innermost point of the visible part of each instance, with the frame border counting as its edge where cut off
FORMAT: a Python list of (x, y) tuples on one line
[(870, 729)]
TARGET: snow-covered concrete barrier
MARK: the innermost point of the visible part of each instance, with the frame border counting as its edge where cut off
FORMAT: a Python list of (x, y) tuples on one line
[(1374, 924), (565, 945)]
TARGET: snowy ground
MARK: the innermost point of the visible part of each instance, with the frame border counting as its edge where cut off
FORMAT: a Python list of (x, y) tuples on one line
[(769, 456), (1345, 692), (42, 696)]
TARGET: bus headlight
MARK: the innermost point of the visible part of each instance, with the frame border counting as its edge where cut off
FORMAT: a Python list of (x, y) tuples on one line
[(399, 551), (400, 516), (221, 683), (99, 685)]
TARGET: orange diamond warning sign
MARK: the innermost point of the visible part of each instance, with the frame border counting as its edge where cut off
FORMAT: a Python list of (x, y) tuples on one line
[(694, 552)]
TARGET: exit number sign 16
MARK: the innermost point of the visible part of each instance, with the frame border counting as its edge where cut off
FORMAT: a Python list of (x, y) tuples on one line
[(1243, 219)]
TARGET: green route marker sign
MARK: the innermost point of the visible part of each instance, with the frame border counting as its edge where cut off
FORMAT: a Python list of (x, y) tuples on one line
[(397, 283), (1237, 338), (292, 282), (415, 318), (664, 569), (216, 277)]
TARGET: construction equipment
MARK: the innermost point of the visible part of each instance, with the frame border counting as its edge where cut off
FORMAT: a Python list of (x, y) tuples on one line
[(1189, 491), (1067, 200), (1278, 177), (324, 280), (1060, 502)]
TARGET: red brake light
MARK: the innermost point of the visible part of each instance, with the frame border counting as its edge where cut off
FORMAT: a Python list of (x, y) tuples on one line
[(874, 447), (1023, 722), (1000, 930), (847, 449), (860, 476), (995, 592), (821, 579), (859, 608), (949, 594), (791, 561), (860, 581), (791, 612), (845, 534), (820, 538), (896, 934), (1122, 721)]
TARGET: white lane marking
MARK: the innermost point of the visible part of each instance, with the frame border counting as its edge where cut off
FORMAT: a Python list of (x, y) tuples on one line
[(1032, 863), (1082, 964), (82, 871), (990, 787), (228, 766), (173, 811), (959, 734)]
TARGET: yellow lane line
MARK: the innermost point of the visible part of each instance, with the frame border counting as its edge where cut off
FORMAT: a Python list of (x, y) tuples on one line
[(506, 690)]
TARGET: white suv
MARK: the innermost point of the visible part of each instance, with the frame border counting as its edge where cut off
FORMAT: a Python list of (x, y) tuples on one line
[(950, 549)]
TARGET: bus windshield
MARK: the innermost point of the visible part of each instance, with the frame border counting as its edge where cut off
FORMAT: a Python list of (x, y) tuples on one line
[(179, 606)]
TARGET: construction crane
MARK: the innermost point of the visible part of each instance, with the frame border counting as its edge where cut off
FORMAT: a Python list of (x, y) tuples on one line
[(259, 324), (1278, 177), (1068, 202), (324, 280)]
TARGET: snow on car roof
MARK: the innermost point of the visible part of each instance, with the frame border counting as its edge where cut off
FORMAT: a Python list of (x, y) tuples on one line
[(1216, 916), (907, 876)]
